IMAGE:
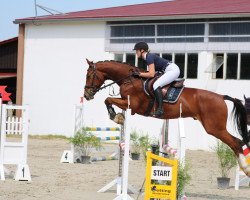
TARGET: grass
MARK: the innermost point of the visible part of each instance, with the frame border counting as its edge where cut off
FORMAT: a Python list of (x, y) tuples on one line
[(48, 137), (53, 137)]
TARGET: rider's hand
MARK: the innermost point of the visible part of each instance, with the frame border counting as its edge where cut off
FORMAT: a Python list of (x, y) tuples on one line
[(136, 74)]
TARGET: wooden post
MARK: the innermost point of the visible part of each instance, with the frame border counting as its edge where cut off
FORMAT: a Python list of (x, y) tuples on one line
[(20, 65)]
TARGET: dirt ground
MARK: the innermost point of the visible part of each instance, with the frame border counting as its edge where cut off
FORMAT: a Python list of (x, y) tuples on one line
[(52, 180)]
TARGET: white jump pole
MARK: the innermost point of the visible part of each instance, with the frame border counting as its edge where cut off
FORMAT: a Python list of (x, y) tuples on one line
[(2, 177), (124, 195), (118, 180), (181, 140)]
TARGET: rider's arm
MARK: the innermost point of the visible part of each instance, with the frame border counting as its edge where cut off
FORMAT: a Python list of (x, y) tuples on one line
[(150, 73)]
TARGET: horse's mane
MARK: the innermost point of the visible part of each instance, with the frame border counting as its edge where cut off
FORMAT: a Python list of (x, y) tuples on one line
[(124, 63), (247, 104)]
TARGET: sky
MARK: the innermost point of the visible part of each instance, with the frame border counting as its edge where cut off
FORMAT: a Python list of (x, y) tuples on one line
[(15, 9)]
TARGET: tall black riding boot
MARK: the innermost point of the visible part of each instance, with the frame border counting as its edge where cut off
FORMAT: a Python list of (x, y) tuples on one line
[(159, 98)]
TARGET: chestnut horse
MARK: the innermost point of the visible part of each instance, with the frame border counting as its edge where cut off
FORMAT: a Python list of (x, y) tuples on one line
[(207, 107)]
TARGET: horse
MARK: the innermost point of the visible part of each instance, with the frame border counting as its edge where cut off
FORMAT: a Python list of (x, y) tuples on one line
[(206, 106)]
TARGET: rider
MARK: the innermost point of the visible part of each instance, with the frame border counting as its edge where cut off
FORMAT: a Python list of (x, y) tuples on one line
[(155, 63)]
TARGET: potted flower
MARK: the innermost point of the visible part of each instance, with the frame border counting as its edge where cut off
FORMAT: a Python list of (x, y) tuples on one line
[(135, 146), (227, 161), (84, 142)]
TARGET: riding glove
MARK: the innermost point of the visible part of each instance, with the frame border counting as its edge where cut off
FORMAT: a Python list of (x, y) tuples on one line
[(136, 74)]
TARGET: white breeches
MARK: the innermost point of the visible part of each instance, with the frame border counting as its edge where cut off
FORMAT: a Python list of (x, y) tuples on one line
[(171, 73)]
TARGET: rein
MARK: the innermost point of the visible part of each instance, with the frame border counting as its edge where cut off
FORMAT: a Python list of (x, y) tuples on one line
[(103, 87), (94, 87)]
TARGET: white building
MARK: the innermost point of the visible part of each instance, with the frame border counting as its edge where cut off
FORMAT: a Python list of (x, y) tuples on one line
[(209, 40)]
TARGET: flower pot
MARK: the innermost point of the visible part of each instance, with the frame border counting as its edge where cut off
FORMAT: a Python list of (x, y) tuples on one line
[(223, 182), (135, 156), (85, 159)]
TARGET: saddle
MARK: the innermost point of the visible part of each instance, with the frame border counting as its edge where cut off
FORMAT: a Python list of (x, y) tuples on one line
[(170, 92)]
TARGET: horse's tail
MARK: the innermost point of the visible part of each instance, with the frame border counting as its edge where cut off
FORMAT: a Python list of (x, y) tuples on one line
[(239, 114)]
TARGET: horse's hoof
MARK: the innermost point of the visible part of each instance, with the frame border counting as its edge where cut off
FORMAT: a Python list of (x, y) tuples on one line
[(247, 171), (119, 118)]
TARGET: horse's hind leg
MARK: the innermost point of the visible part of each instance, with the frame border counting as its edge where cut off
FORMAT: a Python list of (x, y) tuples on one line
[(234, 143), (213, 117)]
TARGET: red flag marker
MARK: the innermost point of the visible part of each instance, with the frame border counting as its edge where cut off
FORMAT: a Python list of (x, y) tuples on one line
[(246, 150), (81, 99), (5, 95)]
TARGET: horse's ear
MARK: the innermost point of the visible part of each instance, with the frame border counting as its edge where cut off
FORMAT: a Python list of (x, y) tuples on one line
[(90, 63), (245, 98)]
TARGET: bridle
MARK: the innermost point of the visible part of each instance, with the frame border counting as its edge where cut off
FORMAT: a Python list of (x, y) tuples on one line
[(94, 76), (94, 87)]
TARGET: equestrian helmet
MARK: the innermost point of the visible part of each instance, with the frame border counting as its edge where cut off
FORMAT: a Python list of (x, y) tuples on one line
[(141, 45)]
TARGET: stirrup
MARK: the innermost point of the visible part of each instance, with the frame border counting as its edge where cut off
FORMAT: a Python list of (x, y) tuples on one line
[(158, 113)]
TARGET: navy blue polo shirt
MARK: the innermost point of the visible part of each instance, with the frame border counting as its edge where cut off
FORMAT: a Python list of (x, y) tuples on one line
[(160, 63)]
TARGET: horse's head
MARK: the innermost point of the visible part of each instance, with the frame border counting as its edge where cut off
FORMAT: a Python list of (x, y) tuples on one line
[(94, 80)]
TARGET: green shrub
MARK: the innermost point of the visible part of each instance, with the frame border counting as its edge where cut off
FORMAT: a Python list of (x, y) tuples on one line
[(85, 141), (183, 178), (226, 158), (135, 139), (145, 144)]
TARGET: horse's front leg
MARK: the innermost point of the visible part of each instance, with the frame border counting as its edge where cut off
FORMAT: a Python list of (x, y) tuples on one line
[(119, 102)]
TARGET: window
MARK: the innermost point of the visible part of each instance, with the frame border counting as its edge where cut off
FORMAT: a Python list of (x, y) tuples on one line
[(229, 32), (232, 66), (130, 58), (245, 66), (180, 61), (188, 63), (192, 66), (165, 33), (119, 57), (219, 69), (132, 33), (133, 30), (180, 32), (167, 56)]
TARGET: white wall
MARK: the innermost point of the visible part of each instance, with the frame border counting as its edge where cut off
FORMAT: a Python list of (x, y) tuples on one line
[(54, 78), (54, 72)]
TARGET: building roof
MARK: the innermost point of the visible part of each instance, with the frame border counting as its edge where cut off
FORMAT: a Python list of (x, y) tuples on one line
[(7, 75), (159, 9), (8, 41)]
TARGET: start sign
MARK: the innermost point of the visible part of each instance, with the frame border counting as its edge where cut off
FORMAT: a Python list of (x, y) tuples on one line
[(163, 173), (161, 181)]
